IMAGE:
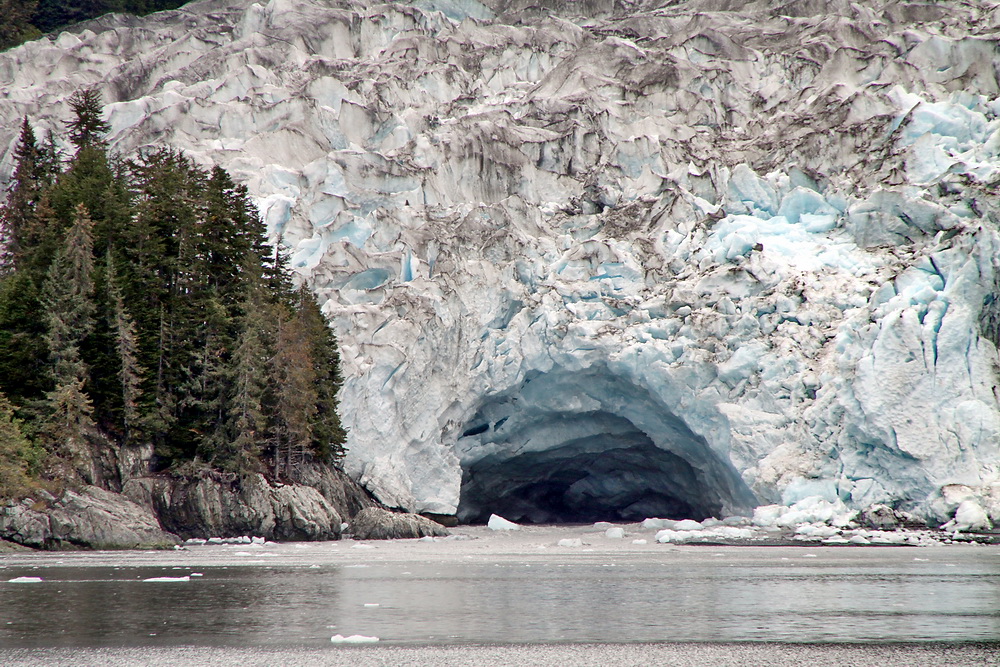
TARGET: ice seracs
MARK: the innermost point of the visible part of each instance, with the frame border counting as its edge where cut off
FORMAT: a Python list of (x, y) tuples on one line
[(615, 262)]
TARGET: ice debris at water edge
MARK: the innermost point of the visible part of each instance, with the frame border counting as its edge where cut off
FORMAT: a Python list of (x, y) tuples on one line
[(750, 254)]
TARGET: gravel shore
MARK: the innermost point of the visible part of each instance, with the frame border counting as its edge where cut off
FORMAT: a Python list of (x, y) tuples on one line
[(554, 655)]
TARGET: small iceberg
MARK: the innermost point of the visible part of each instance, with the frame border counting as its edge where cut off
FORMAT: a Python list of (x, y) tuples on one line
[(168, 579), (25, 580), (353, 639), (497, 522)]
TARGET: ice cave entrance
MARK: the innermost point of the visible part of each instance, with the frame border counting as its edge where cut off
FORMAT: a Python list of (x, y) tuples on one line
[(585, 446)]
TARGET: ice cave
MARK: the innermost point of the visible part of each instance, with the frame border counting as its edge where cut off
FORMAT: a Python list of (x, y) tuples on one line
[(577, 447)]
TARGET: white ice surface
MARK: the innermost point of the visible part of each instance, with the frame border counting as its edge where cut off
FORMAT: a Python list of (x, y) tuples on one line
[(789, 260)]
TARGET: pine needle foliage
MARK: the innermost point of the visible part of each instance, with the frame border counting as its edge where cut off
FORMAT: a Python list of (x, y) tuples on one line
[(168, 317)]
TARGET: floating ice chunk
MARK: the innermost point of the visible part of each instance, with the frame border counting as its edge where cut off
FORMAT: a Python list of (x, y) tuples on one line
[(195, 541), (25, 580), (168, 579), (639, 541), (657, 524), (688, 524), (615, 533), (197, 574), (499, 523), (215, 540), (570, 542), (353, 639), (859, 539)]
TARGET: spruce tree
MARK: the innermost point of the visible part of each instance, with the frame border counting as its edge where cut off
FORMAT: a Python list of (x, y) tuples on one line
[(22, 350), (87, 127), (49, 159), (130, 372), (295, 397), (17, 455), (247, 423), (328, 433), (22, 195), (68, 300)]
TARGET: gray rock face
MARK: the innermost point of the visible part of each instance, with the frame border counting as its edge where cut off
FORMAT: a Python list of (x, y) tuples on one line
[(343, 493), (375, 523), (90, 518), (883, 517), (248, 506)]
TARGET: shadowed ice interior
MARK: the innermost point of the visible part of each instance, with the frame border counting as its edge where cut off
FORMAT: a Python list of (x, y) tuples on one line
[(582, 446)]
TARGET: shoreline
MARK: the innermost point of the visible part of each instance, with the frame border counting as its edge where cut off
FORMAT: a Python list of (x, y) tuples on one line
[(678, 654)]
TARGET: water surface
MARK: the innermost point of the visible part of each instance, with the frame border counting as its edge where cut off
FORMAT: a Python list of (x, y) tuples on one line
[(483, 592)]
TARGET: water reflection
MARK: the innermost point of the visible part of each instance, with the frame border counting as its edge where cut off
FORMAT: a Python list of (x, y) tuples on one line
[(700, 596), (114, 606)]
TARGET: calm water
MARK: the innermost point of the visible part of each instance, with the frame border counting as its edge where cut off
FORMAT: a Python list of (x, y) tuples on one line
[(299, 596)]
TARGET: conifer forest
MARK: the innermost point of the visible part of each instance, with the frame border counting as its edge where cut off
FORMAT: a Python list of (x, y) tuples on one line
[(140, 303)]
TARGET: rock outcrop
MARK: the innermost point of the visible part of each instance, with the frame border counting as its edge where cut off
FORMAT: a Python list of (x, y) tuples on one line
[(344, 494), (375, 523), (155, 511), (88, 518), (250, 505)]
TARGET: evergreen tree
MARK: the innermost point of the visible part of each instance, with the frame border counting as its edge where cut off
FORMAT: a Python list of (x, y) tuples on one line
[(49, 159), (17, 455), (189, 334), (87, 127), (24, 218), (328, 433), (24, 373), (22, 194), (130, 372), (295, 397), (68, 299)]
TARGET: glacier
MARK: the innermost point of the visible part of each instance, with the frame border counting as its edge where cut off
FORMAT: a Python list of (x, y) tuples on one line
[(607, 260)]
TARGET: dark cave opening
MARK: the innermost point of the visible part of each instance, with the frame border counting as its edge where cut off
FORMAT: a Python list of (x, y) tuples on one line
[(589, 446), (570, 485)]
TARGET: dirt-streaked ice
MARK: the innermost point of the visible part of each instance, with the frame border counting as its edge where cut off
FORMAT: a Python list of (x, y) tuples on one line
[(763, 245)]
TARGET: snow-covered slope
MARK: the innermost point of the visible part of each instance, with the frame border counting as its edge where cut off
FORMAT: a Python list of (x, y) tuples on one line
[(640, 258)]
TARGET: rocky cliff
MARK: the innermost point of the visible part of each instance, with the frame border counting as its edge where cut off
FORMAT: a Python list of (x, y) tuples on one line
[(606, 258), (118, 504)]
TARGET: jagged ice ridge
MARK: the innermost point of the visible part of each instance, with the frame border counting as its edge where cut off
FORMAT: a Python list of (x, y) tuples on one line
[(635, 259)]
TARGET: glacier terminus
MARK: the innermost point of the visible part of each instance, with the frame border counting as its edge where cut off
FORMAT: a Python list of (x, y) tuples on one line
[(607, 259)]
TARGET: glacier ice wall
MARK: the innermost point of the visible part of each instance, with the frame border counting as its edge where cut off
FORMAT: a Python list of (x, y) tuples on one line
[(634, 257)]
